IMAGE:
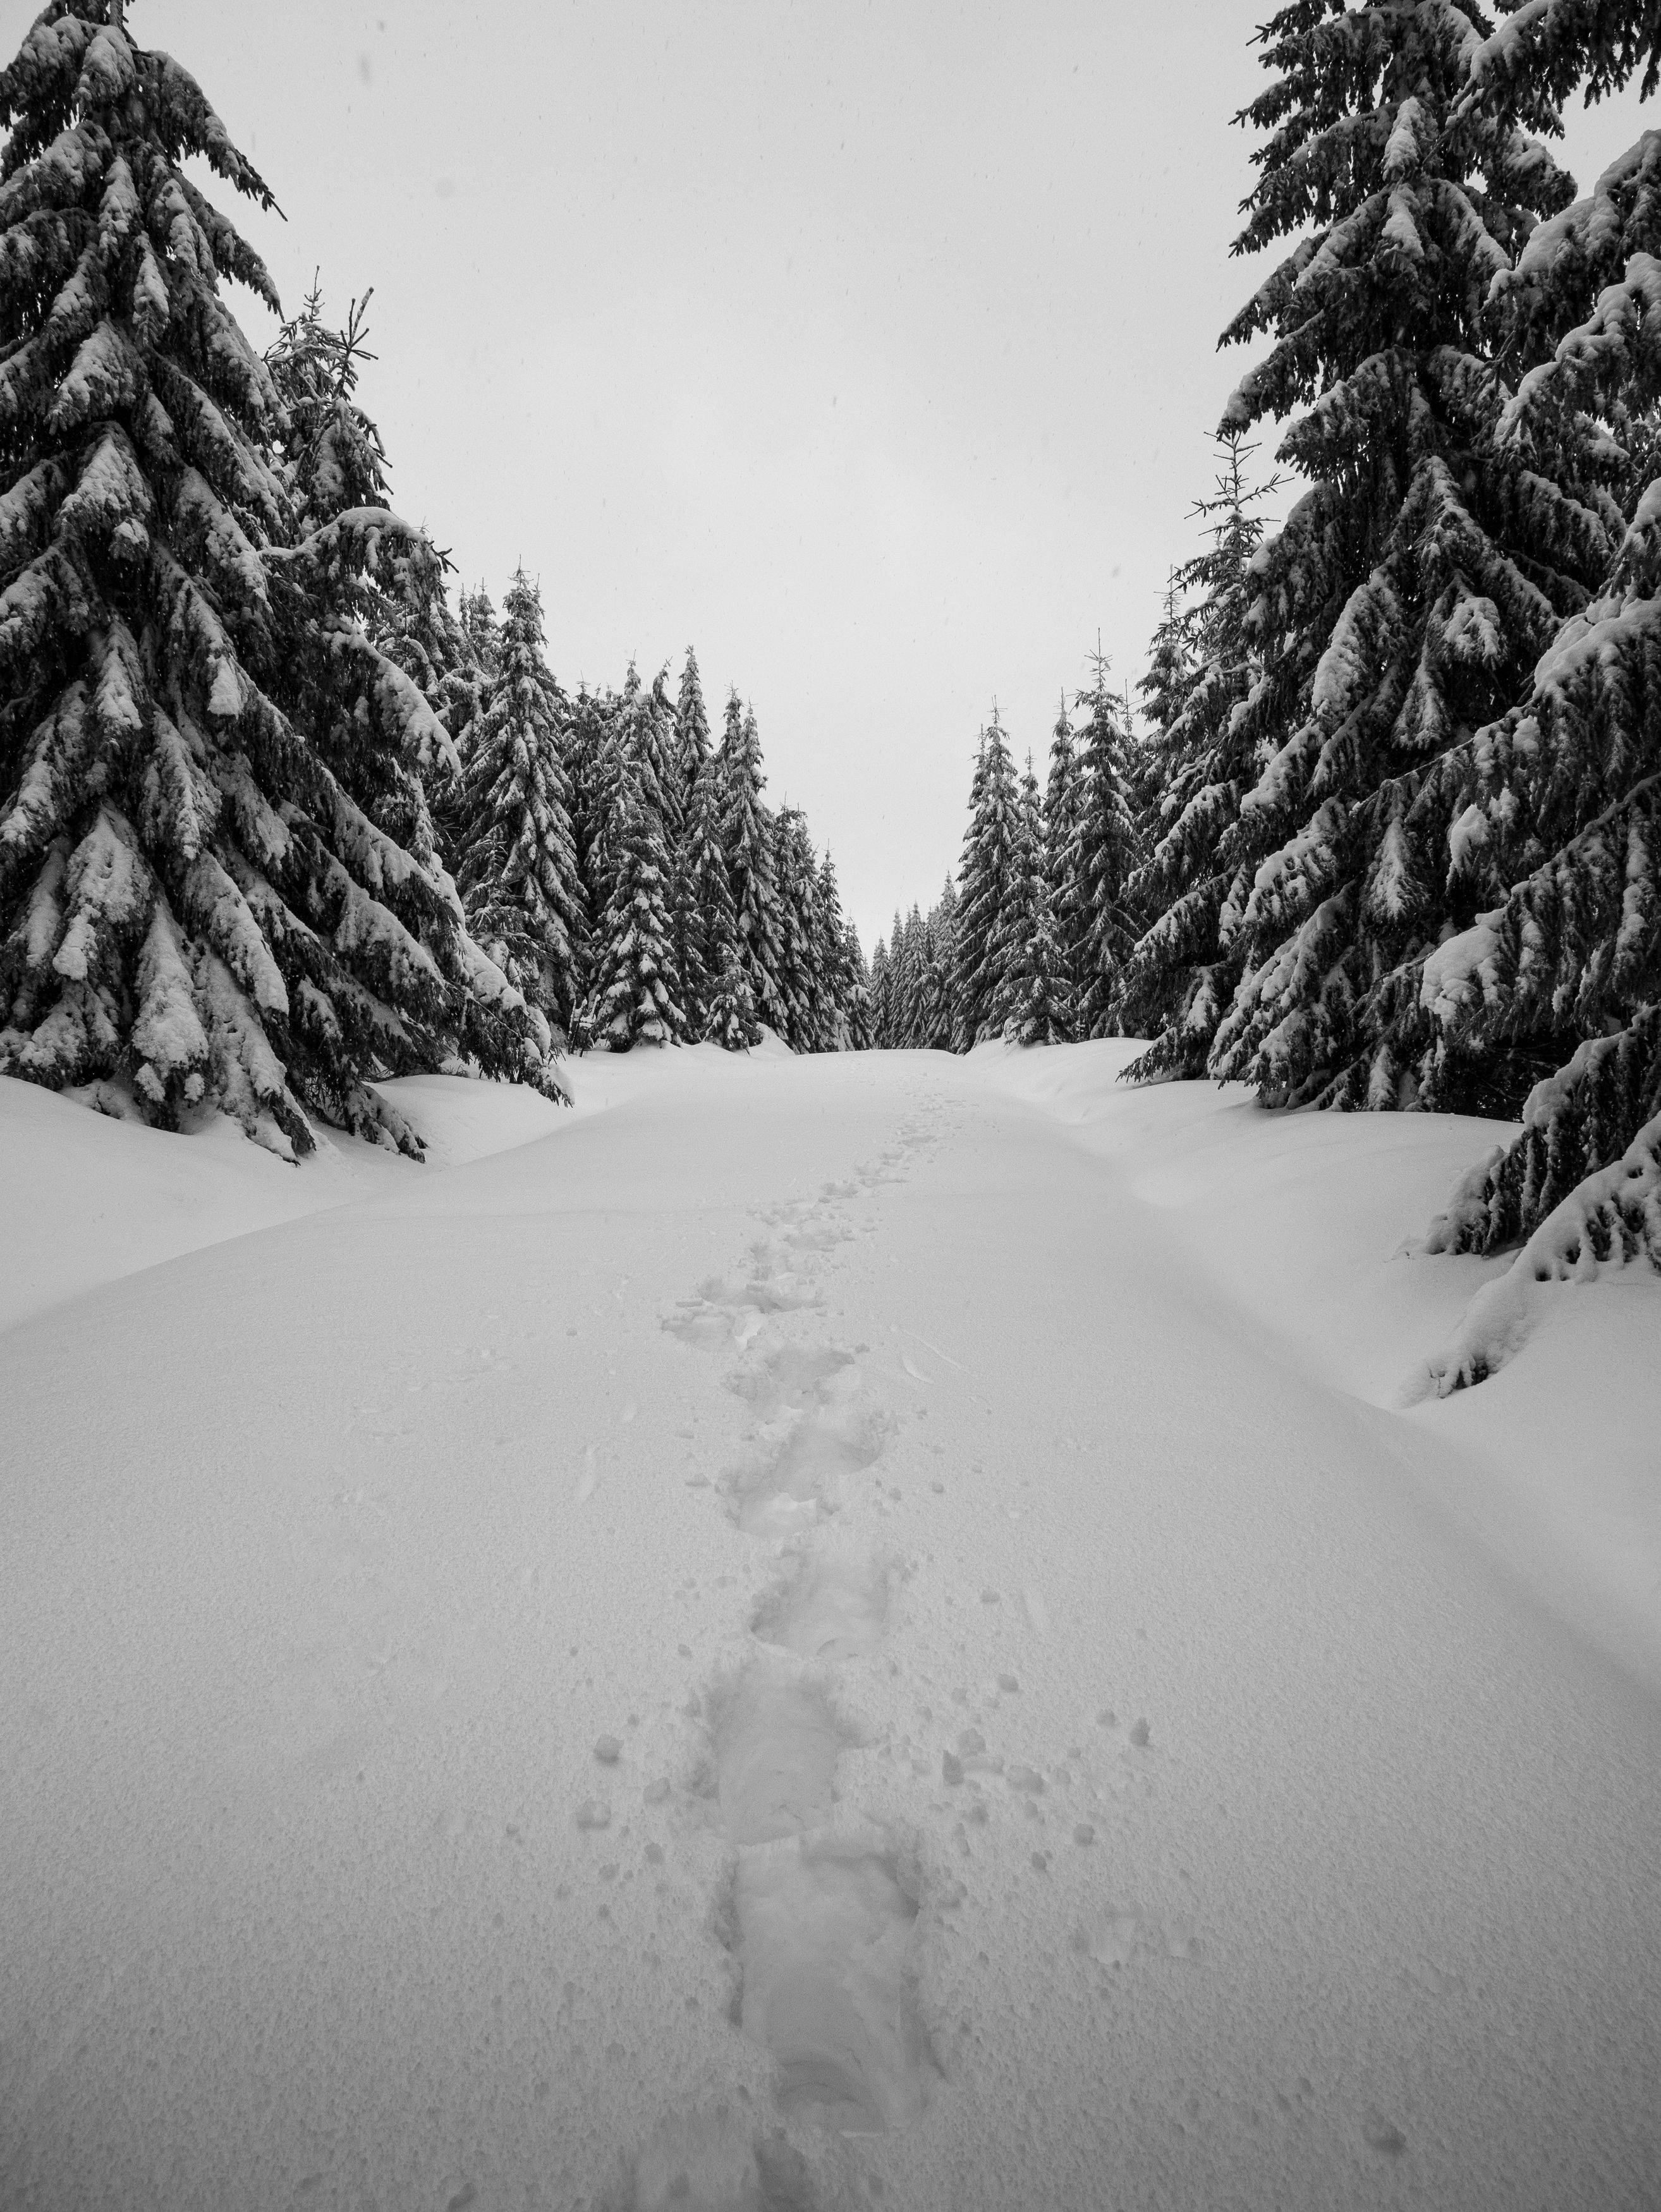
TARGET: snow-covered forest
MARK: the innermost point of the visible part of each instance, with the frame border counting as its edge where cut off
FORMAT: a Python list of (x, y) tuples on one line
[(1383, 834), (278, 819), (644, 1567)]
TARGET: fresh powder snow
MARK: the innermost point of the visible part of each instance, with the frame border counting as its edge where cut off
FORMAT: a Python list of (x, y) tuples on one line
[(877, 1629)]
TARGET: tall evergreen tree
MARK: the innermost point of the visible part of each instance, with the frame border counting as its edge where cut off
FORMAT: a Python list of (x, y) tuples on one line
[(201, 902), (1039, 999), (1018, 918), (631, 995), (835, 960), (747, 841), (794, 875), (1063, 841), (984, 877), (881, 1016), (1426, 570), (691, 729), (1556, 828), (704, 928), (1171, 670), (661, 744), (1107, 860), (858, 1001), (477, 616), (518, 873), (1180, 978), (731, 1020)]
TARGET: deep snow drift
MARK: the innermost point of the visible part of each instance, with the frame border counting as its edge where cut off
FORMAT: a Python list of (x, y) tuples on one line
[(815, 1633)]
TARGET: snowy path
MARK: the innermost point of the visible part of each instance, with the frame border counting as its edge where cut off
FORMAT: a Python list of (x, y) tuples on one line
[(792, 1645)]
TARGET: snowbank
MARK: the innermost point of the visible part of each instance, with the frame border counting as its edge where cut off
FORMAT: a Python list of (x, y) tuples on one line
[(87, 1198)]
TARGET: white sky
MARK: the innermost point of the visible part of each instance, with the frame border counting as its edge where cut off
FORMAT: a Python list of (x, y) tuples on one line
[(870, 350)]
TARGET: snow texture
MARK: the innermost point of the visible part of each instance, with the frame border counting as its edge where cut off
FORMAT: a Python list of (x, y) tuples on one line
[(818, 1630)]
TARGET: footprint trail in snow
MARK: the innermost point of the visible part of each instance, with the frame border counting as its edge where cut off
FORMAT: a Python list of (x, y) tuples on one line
[(820, 1907)]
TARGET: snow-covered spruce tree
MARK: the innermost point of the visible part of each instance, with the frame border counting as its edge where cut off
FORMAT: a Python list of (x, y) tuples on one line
[(1171, 670), (1107, 860), (703, 926), (1039, 995), (881, 1026), (1179, 979), (933, 1001), (200, 747), (937, 998), (661, 746), (1063, 823), (1555, 806), (793, 874), (1547, 48), (692, 731), (858, 1000), (586, 731), (984, 876), (1418, 580), (906, 984), (746, 839), (630, 995), (517, 867), (837, 960), (1018, 916), (731, 1020), (477, 616), (420, 634)]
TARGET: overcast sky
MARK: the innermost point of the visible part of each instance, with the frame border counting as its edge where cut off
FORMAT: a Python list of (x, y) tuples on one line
[(869, 348)]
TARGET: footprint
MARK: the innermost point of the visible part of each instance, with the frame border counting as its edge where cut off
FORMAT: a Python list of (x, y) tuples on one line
[(836, 1608), (776, 1747), (800, 1480), (791, 1378), (822, 1931), (715, 2163)]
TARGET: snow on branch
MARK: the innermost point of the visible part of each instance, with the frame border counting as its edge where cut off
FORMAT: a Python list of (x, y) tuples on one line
[(1611, 1219)]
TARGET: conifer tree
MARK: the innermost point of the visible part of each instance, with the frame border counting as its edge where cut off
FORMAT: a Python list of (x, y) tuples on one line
[(1039, 995), (944, 920), (631, 998), (1555, 824), (895, 1037), (586, 731), (1107, 861), (837, 961), (793, 881), (914, 1012), (858, 998), (747, 842), (1426, 569), (691, 729), (731, 1022), (881, 1022), (984, 877), (419, 634), (477, 616), (1180, 978), (1018, 918), (1063, 833), (660, 744), (1171, 670), (218, 881), (705, 930), (518, 873)]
